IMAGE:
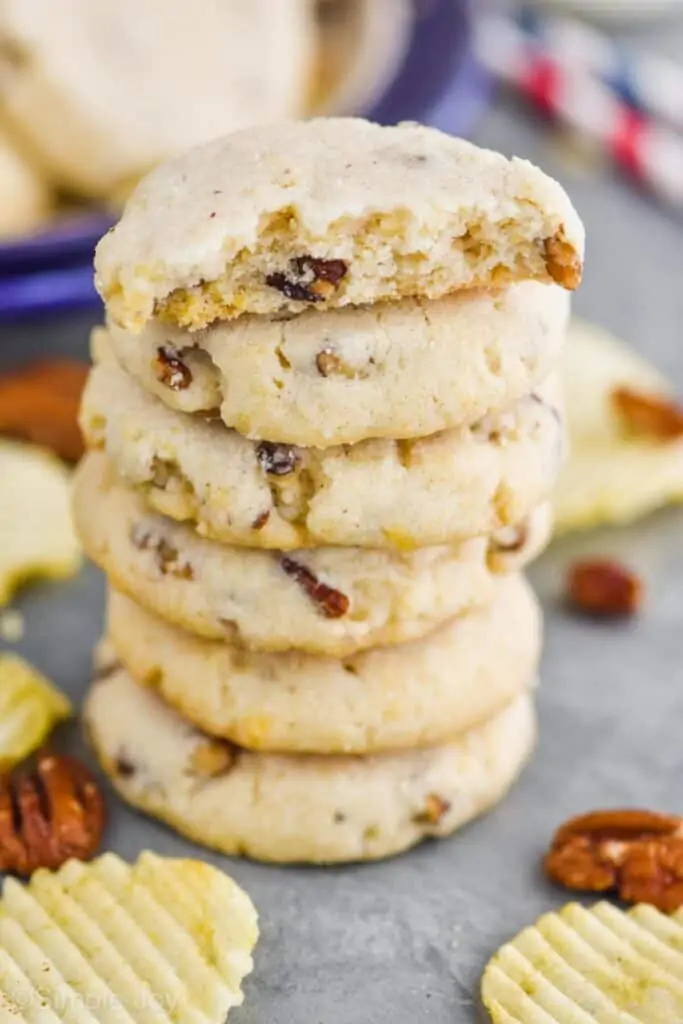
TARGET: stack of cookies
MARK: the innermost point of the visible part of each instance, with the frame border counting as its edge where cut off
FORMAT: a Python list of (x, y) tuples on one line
[(323, 432)]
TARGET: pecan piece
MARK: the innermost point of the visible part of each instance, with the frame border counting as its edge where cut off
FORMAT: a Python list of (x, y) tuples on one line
[(166, 557), (171, 370), (39, 403), (329, 364), (647, 414), (48, 815), (604, 589), (124, 766), (562, 261), (309, 279), (636, 854), (332, 603), (277, 459), (435, 807), (261, 520)]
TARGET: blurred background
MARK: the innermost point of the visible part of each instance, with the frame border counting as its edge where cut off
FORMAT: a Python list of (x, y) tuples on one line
[(94, 92)]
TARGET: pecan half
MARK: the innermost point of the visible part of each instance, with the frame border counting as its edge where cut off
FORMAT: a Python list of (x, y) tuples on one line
[(647, 414), (166, 557), (604, 589), (636, 854), (171, 370), (277, 459), (309, 279), (39, 403), (332, 603), (48, 815)]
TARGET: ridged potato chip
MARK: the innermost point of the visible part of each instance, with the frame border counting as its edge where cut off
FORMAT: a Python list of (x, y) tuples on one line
[(149, 943), (613, 475), (30, 707), (585, 965), (37, 537)]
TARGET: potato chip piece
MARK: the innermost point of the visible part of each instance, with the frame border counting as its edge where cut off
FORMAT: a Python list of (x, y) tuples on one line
[(584, 965), (613, 475), (30, 707), (37, 537), (157, 941)]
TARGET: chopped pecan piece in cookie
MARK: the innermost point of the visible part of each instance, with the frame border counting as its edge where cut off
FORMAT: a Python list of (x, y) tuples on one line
[(277, 459), (171, 370), (49, 815), (636, 854), (329, 364), (124, 766), (309, 279), (166, 557), (562, 261), (435, 807), (648, 415), (604, 589), (261, 520), (332, 603)]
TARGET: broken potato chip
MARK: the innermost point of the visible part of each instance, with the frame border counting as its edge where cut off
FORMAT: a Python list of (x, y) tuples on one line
[(626, 434), (157, 941), (37, 536), (30, 707), (582, 965)]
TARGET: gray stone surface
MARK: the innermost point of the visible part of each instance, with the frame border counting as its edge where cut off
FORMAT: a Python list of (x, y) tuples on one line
[(406, 940)]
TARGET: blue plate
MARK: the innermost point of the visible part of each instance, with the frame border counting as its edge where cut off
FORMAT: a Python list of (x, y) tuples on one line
[(438, 83)]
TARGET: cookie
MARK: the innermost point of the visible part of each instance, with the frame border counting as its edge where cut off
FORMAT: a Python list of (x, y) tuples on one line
[(103, 91), (416, 695), (394, 370), (298, 808), (327, 600), (331, 212), (25, 199), (380, 493)]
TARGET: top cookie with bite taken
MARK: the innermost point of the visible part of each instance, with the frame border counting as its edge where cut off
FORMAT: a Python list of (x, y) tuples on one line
[(329, 213)]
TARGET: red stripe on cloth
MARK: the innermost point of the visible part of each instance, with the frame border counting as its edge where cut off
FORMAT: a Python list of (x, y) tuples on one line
[(628, 140), (541, 80)]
